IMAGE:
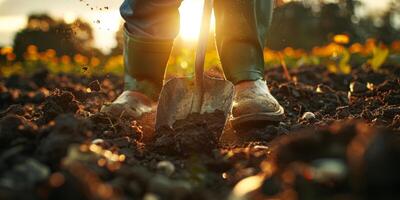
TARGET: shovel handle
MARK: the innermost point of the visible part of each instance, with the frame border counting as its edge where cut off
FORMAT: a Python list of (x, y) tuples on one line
[(202, 45)]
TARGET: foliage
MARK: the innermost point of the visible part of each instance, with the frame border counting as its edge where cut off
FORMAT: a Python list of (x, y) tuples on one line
[(46, 33), (379, 56), (338, 56), (302, 25), (301, 34)]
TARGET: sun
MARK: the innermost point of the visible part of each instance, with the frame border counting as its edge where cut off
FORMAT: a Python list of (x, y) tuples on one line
[(191, 12)]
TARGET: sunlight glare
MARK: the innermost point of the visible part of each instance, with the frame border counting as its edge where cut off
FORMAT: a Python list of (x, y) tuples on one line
[(12, 23), (105, 25), (191, 13), (69, 17)]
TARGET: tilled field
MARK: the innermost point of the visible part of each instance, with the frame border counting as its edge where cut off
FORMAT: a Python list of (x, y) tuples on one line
[(340, 141)]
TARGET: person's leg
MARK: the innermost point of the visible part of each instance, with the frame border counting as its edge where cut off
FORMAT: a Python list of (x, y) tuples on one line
[(241, 28), (150, 29)]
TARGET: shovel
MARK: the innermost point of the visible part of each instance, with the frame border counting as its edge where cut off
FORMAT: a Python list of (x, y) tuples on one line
[(181, 97)]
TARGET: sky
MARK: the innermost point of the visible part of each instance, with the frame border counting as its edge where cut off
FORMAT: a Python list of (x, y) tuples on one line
[(13, 16)]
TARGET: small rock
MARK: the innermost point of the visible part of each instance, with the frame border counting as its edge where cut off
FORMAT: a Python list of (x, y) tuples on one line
[(245, 187), (98, 141), (108, 133), (166, 167), (261, 147), (357, 87), (308, 116)]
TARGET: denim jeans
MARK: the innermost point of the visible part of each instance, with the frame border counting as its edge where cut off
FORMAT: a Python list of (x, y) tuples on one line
[(241, 27)]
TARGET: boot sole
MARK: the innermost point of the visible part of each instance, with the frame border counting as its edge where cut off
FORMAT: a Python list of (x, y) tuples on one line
[(276, 116)]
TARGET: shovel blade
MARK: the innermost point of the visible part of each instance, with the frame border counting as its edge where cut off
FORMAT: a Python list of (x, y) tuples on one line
[(177, 96)]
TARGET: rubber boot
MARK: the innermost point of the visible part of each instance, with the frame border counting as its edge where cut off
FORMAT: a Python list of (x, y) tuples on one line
[(145, 61), (241, 28), (253, 102)]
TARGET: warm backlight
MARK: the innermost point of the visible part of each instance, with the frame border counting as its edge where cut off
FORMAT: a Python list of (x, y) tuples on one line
[(191, 13)]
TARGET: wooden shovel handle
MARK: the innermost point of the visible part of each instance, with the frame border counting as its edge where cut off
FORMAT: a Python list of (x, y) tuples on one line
[(202, 45)]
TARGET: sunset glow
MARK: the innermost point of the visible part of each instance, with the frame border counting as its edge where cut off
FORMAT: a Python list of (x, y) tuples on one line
[(105, 23), (191, 13)]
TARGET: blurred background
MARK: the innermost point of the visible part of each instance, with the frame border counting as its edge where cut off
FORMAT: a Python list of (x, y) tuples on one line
[(85, 35)]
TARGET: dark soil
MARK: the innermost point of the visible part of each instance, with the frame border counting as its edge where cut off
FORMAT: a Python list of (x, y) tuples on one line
[(340, 140), (195, 134)]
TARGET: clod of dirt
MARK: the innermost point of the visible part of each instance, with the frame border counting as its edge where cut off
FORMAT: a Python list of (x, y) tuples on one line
[(109, 127), (391, 111), (381, 167), (319, 161), (198, 133), (388, 85), (11, 127), (66, 131), (17, 81), (58, 103), (8, 128), (15, 109), (95, 86)]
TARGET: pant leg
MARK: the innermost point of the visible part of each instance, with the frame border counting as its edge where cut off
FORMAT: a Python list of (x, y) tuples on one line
[(241, 28), (151, 19), (150, 29)]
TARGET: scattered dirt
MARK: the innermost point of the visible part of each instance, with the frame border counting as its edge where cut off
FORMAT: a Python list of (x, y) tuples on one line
[(340, 139), (59, 102), (198, 133)]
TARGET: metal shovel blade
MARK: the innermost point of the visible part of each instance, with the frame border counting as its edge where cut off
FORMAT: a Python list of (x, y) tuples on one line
[(182, 96), (178, 97)]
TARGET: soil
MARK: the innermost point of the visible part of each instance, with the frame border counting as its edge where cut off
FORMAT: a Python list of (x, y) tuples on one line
[(340, 139), (198, 133)]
